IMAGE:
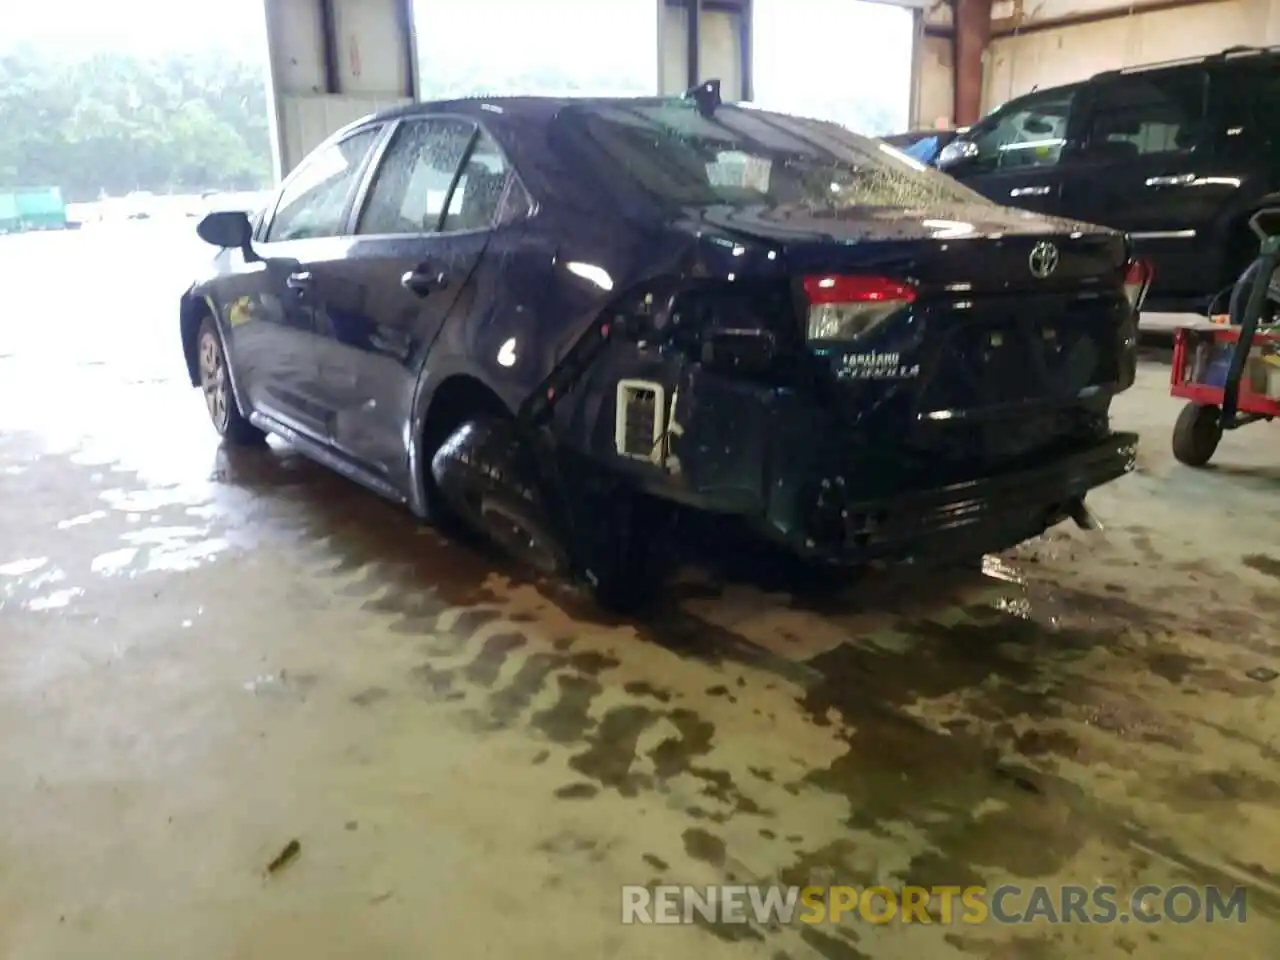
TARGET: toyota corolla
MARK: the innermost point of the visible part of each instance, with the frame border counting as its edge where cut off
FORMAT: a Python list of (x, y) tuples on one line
[(565, 323)]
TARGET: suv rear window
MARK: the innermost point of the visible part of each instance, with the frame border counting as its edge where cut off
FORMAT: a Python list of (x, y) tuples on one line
[(744, 157)]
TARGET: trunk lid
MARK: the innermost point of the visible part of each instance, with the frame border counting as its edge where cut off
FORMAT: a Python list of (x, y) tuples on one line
[(984, 352), (970, 249)]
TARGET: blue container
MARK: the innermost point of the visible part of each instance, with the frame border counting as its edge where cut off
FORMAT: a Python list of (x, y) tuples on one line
[(1215, 372)]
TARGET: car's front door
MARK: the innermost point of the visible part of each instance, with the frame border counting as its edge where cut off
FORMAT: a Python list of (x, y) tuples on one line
[(422, 224), (1015, 155), (275, 353), (1147, 167)]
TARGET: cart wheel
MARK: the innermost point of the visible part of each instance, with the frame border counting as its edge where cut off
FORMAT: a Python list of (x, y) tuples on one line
[(1196, 434)]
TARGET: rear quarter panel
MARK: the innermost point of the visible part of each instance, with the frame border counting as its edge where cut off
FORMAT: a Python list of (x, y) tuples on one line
[(532, 306)]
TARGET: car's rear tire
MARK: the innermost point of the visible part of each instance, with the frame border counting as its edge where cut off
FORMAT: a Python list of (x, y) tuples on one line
[(483, 482), (219, 397), (486, 482), (1196, 434), (628, 551)]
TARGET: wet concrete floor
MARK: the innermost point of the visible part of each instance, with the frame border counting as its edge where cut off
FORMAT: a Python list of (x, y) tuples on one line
[(205, 654)]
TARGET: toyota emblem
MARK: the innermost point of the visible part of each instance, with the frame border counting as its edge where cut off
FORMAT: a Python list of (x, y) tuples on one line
[(1043, 260)]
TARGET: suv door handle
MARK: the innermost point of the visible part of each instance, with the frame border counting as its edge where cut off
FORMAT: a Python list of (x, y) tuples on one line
[(298, 281), (423, 279), (1030, 191), (1176, 180)]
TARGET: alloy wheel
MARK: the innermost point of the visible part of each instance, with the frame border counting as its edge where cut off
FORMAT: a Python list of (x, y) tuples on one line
[(213, 381)]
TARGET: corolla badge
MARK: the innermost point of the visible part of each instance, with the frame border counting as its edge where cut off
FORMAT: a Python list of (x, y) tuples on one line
[(1043, 260)]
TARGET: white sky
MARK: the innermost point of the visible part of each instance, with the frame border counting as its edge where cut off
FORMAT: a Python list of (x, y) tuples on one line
[(143, 26), (811, 56), (598, 35), (817, 56)]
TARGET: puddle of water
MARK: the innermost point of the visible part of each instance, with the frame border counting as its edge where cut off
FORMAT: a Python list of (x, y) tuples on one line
[(115, 562), (20, 568), (185, 558), (1014, 606), (54, 601), (147, 501), (998, 568), (280, 684), (82, 519), (44, 578)]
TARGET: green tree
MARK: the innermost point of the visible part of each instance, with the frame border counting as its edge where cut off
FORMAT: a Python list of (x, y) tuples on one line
[(119, 123)]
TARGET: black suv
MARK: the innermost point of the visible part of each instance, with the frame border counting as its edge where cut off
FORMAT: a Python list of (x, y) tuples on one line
[(1178, 155)]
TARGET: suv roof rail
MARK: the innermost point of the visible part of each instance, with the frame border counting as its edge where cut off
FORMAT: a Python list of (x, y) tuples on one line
[(1240, 50)]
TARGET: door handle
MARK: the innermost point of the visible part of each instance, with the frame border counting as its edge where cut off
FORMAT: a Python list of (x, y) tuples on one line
[(423, 279), (298, 281), (1030, 191), (1176, 180)]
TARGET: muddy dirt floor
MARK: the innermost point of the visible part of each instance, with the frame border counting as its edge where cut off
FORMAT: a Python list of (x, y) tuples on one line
[(207, 654)]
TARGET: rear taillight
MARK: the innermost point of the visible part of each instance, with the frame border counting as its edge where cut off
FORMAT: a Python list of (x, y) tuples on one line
[(1137, 279), (847, 307)]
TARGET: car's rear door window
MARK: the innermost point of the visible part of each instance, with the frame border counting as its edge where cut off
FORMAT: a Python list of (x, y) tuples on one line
[(1266, 99), (432, 164), (314, 199), (481, 185), (411, 187)]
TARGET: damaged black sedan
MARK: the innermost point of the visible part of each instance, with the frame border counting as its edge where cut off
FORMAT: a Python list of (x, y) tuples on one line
[(564, 323)]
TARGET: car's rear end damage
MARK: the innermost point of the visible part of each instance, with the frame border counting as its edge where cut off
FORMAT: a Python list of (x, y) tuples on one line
[(859, 416), (857, 381)]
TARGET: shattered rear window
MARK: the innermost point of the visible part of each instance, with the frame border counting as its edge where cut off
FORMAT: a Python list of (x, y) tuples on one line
[(743, 157)]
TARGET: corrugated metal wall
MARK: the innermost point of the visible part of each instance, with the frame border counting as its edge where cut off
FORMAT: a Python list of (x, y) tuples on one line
[(1016, 64), (1047, 55)]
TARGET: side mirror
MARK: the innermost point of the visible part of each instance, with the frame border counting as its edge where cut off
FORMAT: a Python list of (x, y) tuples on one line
[(229, 229), (956, 152)]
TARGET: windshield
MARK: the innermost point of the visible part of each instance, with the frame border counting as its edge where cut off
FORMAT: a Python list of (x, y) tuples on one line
[(744, 157)]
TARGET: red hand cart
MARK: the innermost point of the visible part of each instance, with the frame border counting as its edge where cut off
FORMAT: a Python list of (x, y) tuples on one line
[(1230, 375)]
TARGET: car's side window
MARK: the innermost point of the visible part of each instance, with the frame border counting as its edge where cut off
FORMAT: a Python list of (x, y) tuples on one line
[(1023, 134), (313, 201), (516, 203), (481, 187), (1142, 114), (1253, 102), (411, 187)]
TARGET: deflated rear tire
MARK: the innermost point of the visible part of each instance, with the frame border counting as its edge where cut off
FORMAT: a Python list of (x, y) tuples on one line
[(486, 482), (627, 550)]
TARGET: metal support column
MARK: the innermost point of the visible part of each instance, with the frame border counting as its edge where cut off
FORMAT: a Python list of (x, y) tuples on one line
[(972, 35), (329, 46), (331, 62), (693, 41)]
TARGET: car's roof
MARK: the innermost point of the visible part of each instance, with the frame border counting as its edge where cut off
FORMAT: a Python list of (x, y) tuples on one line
[(1184, 63), (520, 106)]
